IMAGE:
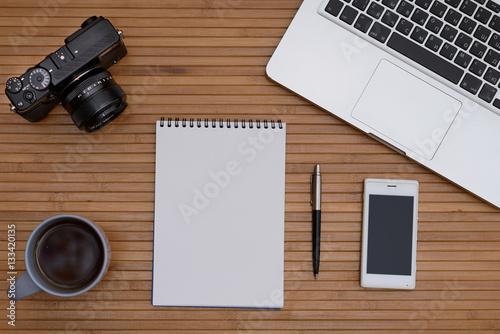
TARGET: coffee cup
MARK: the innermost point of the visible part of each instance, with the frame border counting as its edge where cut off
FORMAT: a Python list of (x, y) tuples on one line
[(66, 255)]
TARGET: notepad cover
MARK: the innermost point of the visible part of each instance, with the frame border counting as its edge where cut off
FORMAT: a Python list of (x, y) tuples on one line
[(219, 216)]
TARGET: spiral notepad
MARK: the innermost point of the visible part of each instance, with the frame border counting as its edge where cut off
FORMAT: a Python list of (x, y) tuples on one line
[(219, 213)]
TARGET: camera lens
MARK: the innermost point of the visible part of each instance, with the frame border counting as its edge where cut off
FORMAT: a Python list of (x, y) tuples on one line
[(93, 99)]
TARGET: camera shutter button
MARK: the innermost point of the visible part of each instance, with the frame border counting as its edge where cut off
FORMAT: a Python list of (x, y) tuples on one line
[(29, 95)]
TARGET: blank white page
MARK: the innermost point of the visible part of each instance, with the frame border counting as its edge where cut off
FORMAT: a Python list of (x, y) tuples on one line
[(219, 215)]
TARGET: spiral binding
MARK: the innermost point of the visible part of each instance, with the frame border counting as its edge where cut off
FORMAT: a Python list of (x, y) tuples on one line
[(214, 123)]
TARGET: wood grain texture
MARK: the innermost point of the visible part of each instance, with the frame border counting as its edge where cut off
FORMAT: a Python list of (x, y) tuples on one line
[(206, 58)]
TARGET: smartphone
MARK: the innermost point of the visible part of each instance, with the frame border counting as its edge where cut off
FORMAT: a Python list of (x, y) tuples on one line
[(389, 237)]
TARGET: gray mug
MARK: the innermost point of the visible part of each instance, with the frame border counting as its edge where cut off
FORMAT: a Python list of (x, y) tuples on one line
[(66, 255)]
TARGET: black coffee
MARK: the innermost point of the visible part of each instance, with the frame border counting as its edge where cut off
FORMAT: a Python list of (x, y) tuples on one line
[(69, 255)]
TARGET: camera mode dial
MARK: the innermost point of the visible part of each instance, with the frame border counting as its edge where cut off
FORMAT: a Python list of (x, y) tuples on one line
[(14, 85), (39, 78)]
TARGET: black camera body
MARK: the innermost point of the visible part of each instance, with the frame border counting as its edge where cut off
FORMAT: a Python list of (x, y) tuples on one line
[(75, 75)]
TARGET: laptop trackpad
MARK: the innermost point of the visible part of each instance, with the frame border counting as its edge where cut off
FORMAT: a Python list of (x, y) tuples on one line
[(402, 107)]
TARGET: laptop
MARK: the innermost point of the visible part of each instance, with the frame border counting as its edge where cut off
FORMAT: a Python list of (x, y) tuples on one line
[(421, 76)]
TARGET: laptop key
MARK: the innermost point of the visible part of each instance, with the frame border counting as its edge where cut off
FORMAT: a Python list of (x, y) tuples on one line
[(492, 58), (419, 35), (463, 59), (334, 7), (482, 15), (405, 8), (467, 25), (390, 18), (495, 41), (390, 3), (379, 32), (375, 10), (482, 33), (434, 24), (404, 26), (449, 33), (496, 103), (453, 3), (360, 4), (468, 7), (448, 51), (492, 76), (495, 23), (487, 93), (425, 58), (348, 15), (477, 67), (478, 49), (463, 41), (453, 17), (363, 23), (471, 84), (434, 43), (493, 6), (425, 4), (438, 9), (419, 16)]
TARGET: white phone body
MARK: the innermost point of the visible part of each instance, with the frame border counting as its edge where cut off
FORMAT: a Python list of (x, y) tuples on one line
[(389, 237)]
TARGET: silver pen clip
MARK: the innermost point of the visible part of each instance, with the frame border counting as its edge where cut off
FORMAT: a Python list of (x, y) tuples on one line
[(316, 188)]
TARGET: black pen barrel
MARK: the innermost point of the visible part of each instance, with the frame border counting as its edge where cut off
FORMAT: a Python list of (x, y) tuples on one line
[(316, 239)]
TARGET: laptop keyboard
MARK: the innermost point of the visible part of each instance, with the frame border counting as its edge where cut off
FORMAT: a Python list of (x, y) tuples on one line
[(458, 40)]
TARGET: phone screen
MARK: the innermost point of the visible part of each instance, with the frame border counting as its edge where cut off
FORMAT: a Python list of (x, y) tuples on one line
[(390, 235)]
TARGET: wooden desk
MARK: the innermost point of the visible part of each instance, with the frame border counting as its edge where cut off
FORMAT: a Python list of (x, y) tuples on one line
[(206, 58)]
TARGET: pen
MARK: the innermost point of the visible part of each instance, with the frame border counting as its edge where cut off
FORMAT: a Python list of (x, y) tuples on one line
[(316, 217)]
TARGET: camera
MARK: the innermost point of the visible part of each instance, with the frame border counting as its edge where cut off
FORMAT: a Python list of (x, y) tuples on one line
[(77, 76)]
